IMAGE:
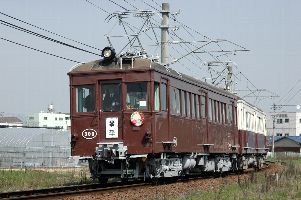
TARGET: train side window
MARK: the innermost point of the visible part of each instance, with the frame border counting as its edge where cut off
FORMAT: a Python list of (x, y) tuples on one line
[(203, 106), (188, 105), (210, 109), (163, 95), (218, 111), (247, 120), (136, 97), (85, 98), (223, 113), (213, 110), (229, 114), (192, 106), (183, 97), (178, 101), (156, 96), (197, 99), (235, 116), (175, 100)]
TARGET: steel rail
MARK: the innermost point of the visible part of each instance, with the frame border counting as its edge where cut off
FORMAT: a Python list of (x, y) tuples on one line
[(68, 190)]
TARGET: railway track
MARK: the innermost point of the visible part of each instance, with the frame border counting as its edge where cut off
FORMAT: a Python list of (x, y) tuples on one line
[(68, 190), (87, 188)]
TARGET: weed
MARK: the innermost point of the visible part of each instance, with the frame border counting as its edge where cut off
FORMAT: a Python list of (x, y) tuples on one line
[(12, 180)]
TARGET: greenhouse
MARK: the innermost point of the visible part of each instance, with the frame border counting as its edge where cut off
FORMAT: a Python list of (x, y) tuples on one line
[(34, 147)]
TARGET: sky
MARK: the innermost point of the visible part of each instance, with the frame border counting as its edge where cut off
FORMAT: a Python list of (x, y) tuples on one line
[(31, 80)]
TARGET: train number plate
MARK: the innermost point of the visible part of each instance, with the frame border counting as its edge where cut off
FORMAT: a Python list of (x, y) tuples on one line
[(89, 134)]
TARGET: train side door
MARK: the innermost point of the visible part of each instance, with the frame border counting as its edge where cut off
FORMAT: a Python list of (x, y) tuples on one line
[(162, 117), (84, 128), (110, 110), (204, 118)]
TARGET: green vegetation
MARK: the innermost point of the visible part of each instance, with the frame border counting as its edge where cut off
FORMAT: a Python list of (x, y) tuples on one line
[(13, 180), (282, 185)]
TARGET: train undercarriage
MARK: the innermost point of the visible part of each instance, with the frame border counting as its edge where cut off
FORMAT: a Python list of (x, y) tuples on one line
[(111, 161)]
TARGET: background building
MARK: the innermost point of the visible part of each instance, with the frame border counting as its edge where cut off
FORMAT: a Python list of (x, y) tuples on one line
[(10, 122), (49, 119), (286, 124), (35, 147), (288, 144)]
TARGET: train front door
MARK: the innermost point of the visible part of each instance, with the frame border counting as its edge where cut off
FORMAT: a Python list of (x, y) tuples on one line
[(110, 110)]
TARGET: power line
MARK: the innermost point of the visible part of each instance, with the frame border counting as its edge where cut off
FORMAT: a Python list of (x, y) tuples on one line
[(49, 31), (130, 26), (47, 53), (43, 36), (131, 4), (118, 5), (103, 10), (285, 97)]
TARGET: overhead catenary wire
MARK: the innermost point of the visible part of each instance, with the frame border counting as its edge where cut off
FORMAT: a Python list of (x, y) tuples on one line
[(130, 26), (287, 95), (94, 5), (185, 46), (48, 31), (38, 50), (5, 23), (118, 5)]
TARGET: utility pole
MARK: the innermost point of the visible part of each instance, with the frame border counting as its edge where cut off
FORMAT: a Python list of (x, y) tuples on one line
[(273, 136), (164, 34), (274, 107)]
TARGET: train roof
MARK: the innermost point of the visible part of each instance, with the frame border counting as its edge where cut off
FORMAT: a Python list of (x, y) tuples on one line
[(140, 64), (242, 101)]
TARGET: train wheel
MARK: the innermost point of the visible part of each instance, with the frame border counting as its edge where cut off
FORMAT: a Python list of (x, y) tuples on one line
[(155, 181), (103, 180), (124, 180)]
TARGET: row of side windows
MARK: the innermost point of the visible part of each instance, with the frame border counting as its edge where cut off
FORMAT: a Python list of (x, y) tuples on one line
[(182, 103), (222, 113), (187, 104)]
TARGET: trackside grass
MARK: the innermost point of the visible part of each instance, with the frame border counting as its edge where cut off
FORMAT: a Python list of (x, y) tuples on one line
[(283, 185), (13, 180)]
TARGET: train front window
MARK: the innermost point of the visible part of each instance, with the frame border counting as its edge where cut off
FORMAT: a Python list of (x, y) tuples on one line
[(136, 97), (85, 98), (111, 93)]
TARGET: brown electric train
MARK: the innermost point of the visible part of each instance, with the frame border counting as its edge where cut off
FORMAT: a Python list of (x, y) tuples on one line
[(133, 118)]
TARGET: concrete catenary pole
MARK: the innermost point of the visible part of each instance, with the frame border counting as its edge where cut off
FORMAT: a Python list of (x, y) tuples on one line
[(229, 78), (164, 34)]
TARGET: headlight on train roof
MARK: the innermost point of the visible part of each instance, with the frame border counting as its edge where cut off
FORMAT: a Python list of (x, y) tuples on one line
[(108, 53)]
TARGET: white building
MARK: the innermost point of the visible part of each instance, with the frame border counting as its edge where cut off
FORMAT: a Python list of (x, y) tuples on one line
[(49, 119), (286, 124)]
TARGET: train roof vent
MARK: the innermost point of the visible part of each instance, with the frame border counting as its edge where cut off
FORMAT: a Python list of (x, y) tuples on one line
[(128, 59)]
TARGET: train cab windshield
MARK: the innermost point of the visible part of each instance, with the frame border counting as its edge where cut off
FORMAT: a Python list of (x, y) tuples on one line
[(136, 97)]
